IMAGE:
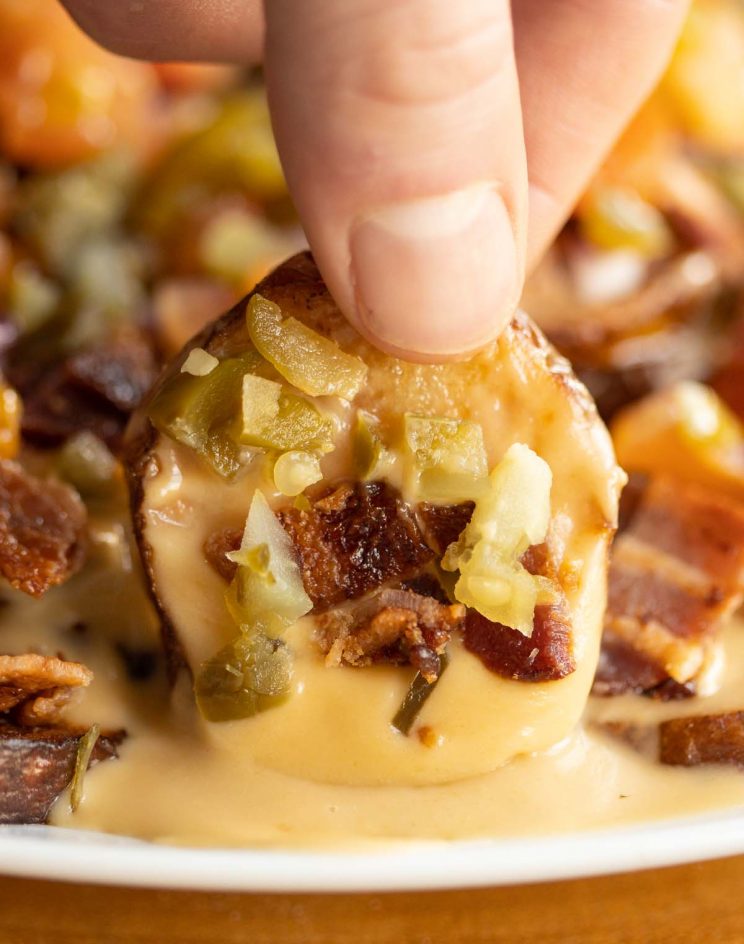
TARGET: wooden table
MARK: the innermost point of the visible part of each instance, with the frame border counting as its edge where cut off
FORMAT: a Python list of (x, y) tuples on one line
[(703, 904)]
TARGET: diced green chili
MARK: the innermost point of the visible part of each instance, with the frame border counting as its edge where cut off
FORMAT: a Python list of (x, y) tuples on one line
[(85, 749), (247, 677), (416, 697), (200, 412), (310, 362), (273, 418)]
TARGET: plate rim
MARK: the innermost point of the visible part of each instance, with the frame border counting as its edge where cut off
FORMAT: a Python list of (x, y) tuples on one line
[(399, 866)]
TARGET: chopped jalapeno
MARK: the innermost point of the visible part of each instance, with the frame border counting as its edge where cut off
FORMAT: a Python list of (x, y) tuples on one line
[(86, 462), (305, 358), (250, 675), (370, 456), (200, 412), (276, 419), (416, 697), (447, 456)]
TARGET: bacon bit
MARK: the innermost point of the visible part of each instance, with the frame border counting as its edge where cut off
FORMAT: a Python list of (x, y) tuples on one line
[(42, 530), (546, 655), (120, 371), (394, 626), (353, 540), (36, 764), (705, 739), (94, 389), (442, 525), (427, 736), (676, 573), (217, 546), (510, 654), (36, 688)]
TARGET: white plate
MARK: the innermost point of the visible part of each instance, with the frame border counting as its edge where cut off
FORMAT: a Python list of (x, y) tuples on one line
[(44, 852)]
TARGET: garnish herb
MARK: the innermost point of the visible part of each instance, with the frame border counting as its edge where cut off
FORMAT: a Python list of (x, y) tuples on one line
[(84, 753), (416, 697)]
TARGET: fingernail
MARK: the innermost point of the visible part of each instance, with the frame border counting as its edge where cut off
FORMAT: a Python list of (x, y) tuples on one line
[(438, 276)]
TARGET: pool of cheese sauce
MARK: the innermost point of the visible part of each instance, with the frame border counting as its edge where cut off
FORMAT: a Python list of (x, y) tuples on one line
[(176, 782)]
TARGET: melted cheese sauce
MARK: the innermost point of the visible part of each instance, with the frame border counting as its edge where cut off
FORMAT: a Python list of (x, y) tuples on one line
[(180, 780)]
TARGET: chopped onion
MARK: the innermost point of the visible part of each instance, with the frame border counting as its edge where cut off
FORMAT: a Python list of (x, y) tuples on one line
[(510, 516), (267, 598), (199, 363)]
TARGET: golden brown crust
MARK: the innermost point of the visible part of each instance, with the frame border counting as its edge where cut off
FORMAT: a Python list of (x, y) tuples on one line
[(36, 688)]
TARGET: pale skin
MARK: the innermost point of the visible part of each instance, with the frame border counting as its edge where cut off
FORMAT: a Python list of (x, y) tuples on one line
[(433, 148)]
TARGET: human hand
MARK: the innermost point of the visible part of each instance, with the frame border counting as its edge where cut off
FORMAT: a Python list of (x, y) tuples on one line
[(433, 148)]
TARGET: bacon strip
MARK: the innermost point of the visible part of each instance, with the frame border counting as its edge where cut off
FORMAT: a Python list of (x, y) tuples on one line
[(42, 530), (705, 739), (546, 655), (36, 764), (353, 540), (93, 389), (676, 574)]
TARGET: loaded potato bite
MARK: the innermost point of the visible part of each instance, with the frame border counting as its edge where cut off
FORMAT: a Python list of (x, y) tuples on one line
[(376, 572)]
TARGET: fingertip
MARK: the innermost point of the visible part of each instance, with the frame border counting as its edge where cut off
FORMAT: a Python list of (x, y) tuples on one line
[(439, 277)]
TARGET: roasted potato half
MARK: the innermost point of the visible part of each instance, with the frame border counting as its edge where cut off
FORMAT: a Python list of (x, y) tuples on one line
[(377, 572)]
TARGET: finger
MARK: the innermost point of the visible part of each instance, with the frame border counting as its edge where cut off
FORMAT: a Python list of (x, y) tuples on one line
[(400, 130), (584, 67), (212, 31)]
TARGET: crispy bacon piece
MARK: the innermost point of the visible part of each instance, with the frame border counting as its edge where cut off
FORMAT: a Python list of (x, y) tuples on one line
[(397, 626), (705, 739), (353, 540), (36, 688), (442, 525), (546, 655), (36, 764), (217, 546), (42, 530), (94, 389), (676, 573)]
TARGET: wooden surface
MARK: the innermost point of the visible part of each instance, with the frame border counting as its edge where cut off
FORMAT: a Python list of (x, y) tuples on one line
[(700, 903)]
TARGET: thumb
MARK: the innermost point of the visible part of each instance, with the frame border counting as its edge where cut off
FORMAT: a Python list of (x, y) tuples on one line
[(400, 130)]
